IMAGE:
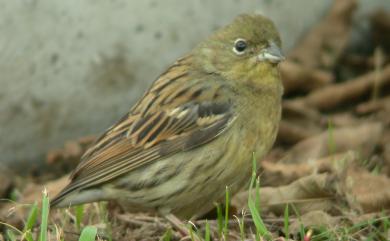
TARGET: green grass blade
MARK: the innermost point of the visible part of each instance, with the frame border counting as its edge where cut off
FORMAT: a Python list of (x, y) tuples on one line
[(286, 221), (257, 195), (9, 226), (254, 170), (79, 213), (260, 226), (104, 216), (28, 236), (302, 231), (257, 237), (207, 236), (192, 236), (219, 220), (301, 227), (386, 223), (44, 216), (254, 205), (167, 235), (15, 195), (10, 234), (31, 218), (88, 234), (227, 201)]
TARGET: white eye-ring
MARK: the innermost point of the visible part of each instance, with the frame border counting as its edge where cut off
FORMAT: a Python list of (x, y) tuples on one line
[(239, 46)]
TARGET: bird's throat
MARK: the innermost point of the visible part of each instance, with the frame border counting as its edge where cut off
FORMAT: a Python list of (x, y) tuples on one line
[(258, 77)]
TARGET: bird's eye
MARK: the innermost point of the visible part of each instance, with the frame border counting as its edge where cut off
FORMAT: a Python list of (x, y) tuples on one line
[(239, 46)]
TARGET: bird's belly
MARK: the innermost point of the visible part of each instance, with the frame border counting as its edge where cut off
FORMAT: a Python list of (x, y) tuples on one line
[(189, 183)]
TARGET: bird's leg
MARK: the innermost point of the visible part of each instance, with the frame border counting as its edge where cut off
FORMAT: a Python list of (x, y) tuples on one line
[(180, 226)]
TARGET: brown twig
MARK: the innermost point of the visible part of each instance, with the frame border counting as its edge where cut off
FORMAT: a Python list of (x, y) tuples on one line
[(337, 94)]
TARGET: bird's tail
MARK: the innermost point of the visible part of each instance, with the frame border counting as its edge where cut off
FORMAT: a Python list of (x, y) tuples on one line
[(76, 197)]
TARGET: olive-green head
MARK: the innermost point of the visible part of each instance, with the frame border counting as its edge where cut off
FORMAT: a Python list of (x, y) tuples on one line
[(249, 41)]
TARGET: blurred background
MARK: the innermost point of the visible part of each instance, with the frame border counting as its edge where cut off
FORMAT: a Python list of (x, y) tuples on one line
[(71, 68)]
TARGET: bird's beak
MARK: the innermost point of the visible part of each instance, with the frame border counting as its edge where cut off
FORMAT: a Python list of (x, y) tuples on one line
[(272, 54)]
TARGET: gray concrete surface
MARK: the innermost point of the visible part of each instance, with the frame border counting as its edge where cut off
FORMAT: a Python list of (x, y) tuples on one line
[(70, 68)]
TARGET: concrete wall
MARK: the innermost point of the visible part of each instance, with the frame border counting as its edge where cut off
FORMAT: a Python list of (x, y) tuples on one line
[(70, 68)]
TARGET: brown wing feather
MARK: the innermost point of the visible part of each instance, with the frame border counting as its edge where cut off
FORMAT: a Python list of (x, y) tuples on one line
[(169, 118)]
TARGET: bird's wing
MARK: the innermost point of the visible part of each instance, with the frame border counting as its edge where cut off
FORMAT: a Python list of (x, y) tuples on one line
[(177, 113)]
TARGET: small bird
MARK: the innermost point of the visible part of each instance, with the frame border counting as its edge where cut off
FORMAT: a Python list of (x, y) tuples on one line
[(194, 131)]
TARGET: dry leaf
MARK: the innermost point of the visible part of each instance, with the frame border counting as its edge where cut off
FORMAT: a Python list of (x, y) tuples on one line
[(314, 192), (316, 218), (370, 191), (276, 174), (336, 140)]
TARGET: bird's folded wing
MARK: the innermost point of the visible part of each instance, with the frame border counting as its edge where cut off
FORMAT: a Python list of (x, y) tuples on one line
[(142, 137)]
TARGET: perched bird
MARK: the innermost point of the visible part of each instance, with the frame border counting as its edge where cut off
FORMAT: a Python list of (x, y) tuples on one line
[(194, 131)]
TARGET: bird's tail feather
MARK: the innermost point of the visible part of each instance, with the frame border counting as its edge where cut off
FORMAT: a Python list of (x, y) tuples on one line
[(76, 197)]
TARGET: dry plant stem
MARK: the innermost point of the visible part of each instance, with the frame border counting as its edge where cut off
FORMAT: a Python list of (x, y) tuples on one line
[(180, 226), (146, 218), (131, 219), (359, 62), (379, 60), (337, 94), (298, 77), (380, 22), (374, 106)]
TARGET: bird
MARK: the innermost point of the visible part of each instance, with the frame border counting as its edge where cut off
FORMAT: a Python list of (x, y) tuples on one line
[(194, 132)]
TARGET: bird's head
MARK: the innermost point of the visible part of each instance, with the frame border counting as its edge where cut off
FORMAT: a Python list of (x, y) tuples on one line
[(250, 45)]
